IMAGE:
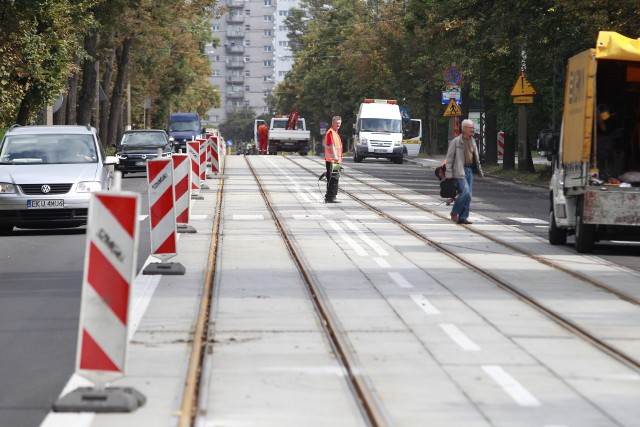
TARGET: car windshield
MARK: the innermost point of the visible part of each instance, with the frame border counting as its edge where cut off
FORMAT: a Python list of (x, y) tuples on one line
[(155, 139), (48, 149), (381, 125), (182, 126)]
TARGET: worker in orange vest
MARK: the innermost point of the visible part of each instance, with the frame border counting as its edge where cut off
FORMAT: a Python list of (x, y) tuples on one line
[(263, 138), (333, 159), (292, 123)]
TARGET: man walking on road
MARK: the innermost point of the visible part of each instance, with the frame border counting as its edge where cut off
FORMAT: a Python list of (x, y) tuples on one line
[(333, 159), (462, 158), (263, 137)]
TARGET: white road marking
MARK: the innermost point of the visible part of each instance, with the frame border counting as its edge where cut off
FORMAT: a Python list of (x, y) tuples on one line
[(313, 216), (424, 304), (513, 388), (355, 246), (459, 337), (373, 245), (198, 217), (400, 280), (382, 263), (528, 220)]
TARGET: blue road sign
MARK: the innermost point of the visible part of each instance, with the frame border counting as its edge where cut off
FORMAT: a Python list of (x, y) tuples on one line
[(229, 143)]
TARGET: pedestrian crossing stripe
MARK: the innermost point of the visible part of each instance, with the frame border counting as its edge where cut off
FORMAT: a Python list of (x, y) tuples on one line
[(452, 109)]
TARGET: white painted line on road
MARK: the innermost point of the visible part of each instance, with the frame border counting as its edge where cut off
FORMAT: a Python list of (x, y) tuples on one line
[(512, 387), (459, 337), (198, 217), (382, 263), (363, 217), (422, 302), (400, 280), (302, 194), (528, 220), (415, 218), (247, 217), (373, 245), (355, 246)]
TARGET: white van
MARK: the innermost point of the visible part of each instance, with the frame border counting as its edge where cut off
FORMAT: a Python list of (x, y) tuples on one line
[(378, 131)]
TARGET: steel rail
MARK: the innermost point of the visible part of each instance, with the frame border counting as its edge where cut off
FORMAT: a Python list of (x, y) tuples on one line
[(365, 397), (523, 296), (190, 396)]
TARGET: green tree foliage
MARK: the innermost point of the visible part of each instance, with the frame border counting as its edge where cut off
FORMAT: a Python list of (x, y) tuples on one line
[(346, 51), (239, 125)]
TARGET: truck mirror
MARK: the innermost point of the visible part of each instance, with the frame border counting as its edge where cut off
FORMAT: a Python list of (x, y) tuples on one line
[(547, 143)]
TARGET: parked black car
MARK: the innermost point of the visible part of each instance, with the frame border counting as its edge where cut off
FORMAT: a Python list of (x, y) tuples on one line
[(138, 146)]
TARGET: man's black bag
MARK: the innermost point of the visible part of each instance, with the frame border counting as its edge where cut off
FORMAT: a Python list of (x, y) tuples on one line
[(448, 188)]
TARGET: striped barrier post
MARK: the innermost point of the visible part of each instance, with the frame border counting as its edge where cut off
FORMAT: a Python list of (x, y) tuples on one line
[(215, 156), (111, 250), (181, 184), (193, 150), (500, 145), (162, 217), (203, 163)]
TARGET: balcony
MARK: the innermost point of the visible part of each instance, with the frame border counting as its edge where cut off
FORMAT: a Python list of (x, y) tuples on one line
[(235, 65), (235, 95), (235, 33), (235, 80), (235, 19), (235, 4), (234, 49)]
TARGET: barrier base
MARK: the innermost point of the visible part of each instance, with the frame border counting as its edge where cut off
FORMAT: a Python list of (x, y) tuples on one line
[(205, 187), (196, 197), (168, 268), (185, 228), (110, 399)]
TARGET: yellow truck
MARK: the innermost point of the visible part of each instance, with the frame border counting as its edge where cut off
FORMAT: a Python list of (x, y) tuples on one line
[(595, 185)]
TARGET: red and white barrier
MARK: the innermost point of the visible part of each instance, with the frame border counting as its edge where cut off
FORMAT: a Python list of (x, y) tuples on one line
[(215, 158), (109, 269), (203, 162), (500, 145), (181, 185), (193, 150), (161, 208)]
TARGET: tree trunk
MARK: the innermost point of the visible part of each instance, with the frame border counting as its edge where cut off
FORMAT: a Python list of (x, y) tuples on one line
[(491, 133), (509, 157), (89, 77), (25, 109), (122, 59), (105, 105), (72, 99)]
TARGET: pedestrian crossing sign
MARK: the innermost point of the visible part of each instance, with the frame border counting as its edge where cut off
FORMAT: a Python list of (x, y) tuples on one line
[(452, 110)]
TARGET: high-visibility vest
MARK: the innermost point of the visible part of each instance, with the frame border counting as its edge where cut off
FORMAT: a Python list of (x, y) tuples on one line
[(332, 137)]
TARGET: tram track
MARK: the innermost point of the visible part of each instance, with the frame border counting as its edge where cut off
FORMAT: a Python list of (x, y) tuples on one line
[(558, 318), (364, 395)]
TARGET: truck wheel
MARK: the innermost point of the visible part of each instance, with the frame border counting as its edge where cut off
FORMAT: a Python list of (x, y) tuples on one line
[(303, 153), (557, 236), (356, 157), (398, 160), (6, 229), (585, 233)]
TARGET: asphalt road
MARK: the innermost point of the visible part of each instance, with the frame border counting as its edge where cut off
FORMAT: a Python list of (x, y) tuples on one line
[(40, 286)]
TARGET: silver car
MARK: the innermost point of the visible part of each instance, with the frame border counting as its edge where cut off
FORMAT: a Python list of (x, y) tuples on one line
[(47, 175)]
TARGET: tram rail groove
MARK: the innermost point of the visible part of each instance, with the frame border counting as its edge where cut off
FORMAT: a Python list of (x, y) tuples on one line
[(190, 397), (364, 395), (523, 296)]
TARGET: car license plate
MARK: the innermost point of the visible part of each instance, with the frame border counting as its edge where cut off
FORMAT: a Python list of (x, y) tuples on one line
[(140, 163), (45, 204), (379, 151)]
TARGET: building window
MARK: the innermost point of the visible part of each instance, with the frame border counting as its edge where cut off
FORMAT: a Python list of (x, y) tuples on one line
[(247, 58), (247, 73), (267, 18), (283, 43), (215, 27), (247, 27), (267, 49), (267, 2), (283, 13), (265, 109), (216, 73), (266, 78), (283, 28), (247, 89), (247, 12), (215, 57), (267, 63), (246, 43), (267, 33)]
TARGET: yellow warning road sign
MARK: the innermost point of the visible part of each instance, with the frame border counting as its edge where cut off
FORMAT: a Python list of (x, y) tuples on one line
[(452, 109), (523, 87)]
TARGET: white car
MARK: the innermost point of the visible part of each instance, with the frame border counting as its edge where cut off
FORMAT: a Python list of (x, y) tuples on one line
[(47, 175)]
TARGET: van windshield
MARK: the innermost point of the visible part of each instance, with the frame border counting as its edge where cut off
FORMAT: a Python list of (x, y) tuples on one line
[(381, 125), (181, 126)]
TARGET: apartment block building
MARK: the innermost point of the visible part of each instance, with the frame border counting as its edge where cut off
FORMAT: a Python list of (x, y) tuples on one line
[(253, 55)]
